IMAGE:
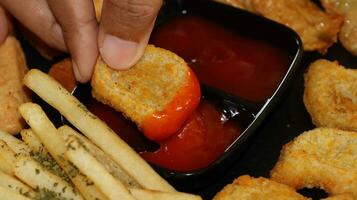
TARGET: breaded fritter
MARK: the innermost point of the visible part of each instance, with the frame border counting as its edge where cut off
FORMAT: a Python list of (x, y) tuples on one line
[(249, 188), (317, 29), (12, 91), (330, 95), (341, 197), (348, 33), (322, 158), (159, 80), (63, 73)]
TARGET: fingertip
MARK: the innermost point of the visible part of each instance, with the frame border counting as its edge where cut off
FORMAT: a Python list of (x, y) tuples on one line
[(118, 53), (82, 74)]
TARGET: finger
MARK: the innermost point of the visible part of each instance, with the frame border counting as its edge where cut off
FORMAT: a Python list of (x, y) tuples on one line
[(3, 25), (37, 17), (125, 29), (80, 30)]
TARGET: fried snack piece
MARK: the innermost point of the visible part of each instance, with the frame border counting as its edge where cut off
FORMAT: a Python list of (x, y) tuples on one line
[(330, 95), (12, 91), (323, 158), (348, 33), (63, 73), (340, 197), (249, 188), (317, 29), (158, 93)]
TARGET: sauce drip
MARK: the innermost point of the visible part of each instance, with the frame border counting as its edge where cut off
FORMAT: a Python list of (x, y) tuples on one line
[(202, 139), (162, 125)]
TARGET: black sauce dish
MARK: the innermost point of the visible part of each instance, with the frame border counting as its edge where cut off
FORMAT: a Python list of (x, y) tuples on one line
[(249, 113)]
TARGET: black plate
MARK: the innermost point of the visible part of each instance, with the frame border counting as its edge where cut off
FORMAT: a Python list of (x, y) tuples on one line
[(288, 118), (251, 114), (257, 28)]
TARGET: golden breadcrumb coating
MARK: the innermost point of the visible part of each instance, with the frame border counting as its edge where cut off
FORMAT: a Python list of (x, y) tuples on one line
[(330, 95), (340, 197), (317, 29), (322, 158), (144, 89), (249, 188), (12, 91), (348, 33)]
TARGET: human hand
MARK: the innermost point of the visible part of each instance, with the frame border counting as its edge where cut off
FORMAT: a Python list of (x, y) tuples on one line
[(71, 26)]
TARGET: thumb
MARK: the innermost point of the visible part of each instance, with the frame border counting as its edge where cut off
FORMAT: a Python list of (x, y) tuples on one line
[(125, 29)]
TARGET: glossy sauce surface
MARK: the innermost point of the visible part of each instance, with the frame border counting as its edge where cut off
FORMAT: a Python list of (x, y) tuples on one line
[(200, 142), (224, 59), (166, 123)]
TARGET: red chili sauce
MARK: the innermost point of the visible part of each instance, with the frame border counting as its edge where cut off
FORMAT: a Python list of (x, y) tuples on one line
[(201, 140), (224, 59)]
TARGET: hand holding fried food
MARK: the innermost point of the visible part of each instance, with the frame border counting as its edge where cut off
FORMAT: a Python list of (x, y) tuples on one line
[(158, 93), (12, 91), (317, 29), (330, 95), (249, 188), (322, 158), (347, 9)]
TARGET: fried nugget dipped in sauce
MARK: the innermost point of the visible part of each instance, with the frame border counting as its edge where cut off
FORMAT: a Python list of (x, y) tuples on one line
[(322, 158), (158, 93), (348, 33), (12, 91), (317, 29), (330, 95), (248, 188)]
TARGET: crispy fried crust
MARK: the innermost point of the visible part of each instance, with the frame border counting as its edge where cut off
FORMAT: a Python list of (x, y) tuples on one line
[(323, 158), (340, 197), (330, 95), (12, 91), (144, 89), (348, 33), (248, 188), (317, 29)]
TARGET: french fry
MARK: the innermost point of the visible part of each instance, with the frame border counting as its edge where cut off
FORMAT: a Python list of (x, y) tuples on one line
[(55, 145), (7, 194), (15, 185), (140, 194), (8, 155), (96, 130), (5, 166), (37, 177), (15, 144), (111, 166), (88, 165), (32, 141), (41, 155)]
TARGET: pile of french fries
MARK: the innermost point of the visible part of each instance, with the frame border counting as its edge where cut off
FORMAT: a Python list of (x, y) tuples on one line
[(63, 164)]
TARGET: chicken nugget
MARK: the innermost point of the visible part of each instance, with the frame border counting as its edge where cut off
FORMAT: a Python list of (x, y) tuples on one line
[(249, 188), (321, 158), (340, 197), (158, 93), (317, 29), (348, 33), (12, 91), (330, 95)]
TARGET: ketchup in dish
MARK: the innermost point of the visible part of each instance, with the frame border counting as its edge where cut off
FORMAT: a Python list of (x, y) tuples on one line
[(222, 58)]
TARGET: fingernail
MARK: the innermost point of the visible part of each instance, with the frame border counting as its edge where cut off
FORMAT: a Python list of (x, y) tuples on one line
[(118, 53), (76, 71)]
